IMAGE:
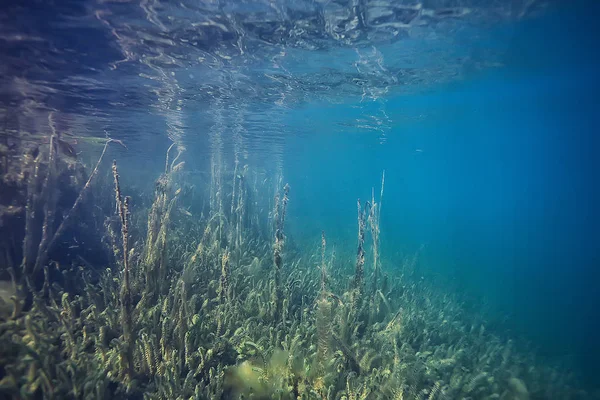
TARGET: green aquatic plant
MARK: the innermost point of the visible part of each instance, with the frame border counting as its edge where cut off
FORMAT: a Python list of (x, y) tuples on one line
[(279, 217), (374, 218), (154, 253), (206, 308), (125, 292), (43, 170)]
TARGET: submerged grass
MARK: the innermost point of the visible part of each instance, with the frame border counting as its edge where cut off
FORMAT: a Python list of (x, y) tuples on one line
[(211, 308)]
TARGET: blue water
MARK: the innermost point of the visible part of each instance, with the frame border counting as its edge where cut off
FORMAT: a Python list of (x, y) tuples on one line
[(498, 179), (491, 167)]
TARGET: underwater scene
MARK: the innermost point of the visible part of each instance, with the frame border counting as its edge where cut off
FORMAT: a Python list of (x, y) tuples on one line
[(299, 199)]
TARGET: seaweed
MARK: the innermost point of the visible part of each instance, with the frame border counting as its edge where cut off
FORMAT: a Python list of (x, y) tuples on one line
[(222, 307)]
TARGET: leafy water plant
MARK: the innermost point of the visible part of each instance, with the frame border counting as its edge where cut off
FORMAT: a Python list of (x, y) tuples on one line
[(206, 308)]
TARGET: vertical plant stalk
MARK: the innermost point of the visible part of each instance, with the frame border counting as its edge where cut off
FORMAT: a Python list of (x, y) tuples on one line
[(323, 322), (155, 248), (29, 250), (167, 158), (48, 196), (381, 194), (224, 291), (125, 294), (324, 316), (233, 191), (374, 224), (182, 323), (240, 209), (323, 264), (216, 190), (236, 215), (278, 249), (374, 221), (42, 256), (359, 271)]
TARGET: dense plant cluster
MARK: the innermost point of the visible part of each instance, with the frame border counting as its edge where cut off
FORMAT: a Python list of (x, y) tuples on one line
[(221, 306)]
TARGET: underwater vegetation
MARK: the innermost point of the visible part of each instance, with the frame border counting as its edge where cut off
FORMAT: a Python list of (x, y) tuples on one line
[(219, 304)]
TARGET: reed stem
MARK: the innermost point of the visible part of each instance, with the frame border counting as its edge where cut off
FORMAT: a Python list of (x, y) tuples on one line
[(125, 293)]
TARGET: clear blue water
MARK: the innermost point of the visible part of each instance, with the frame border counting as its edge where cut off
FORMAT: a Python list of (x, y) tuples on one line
[(495, 174), (486, 125)]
